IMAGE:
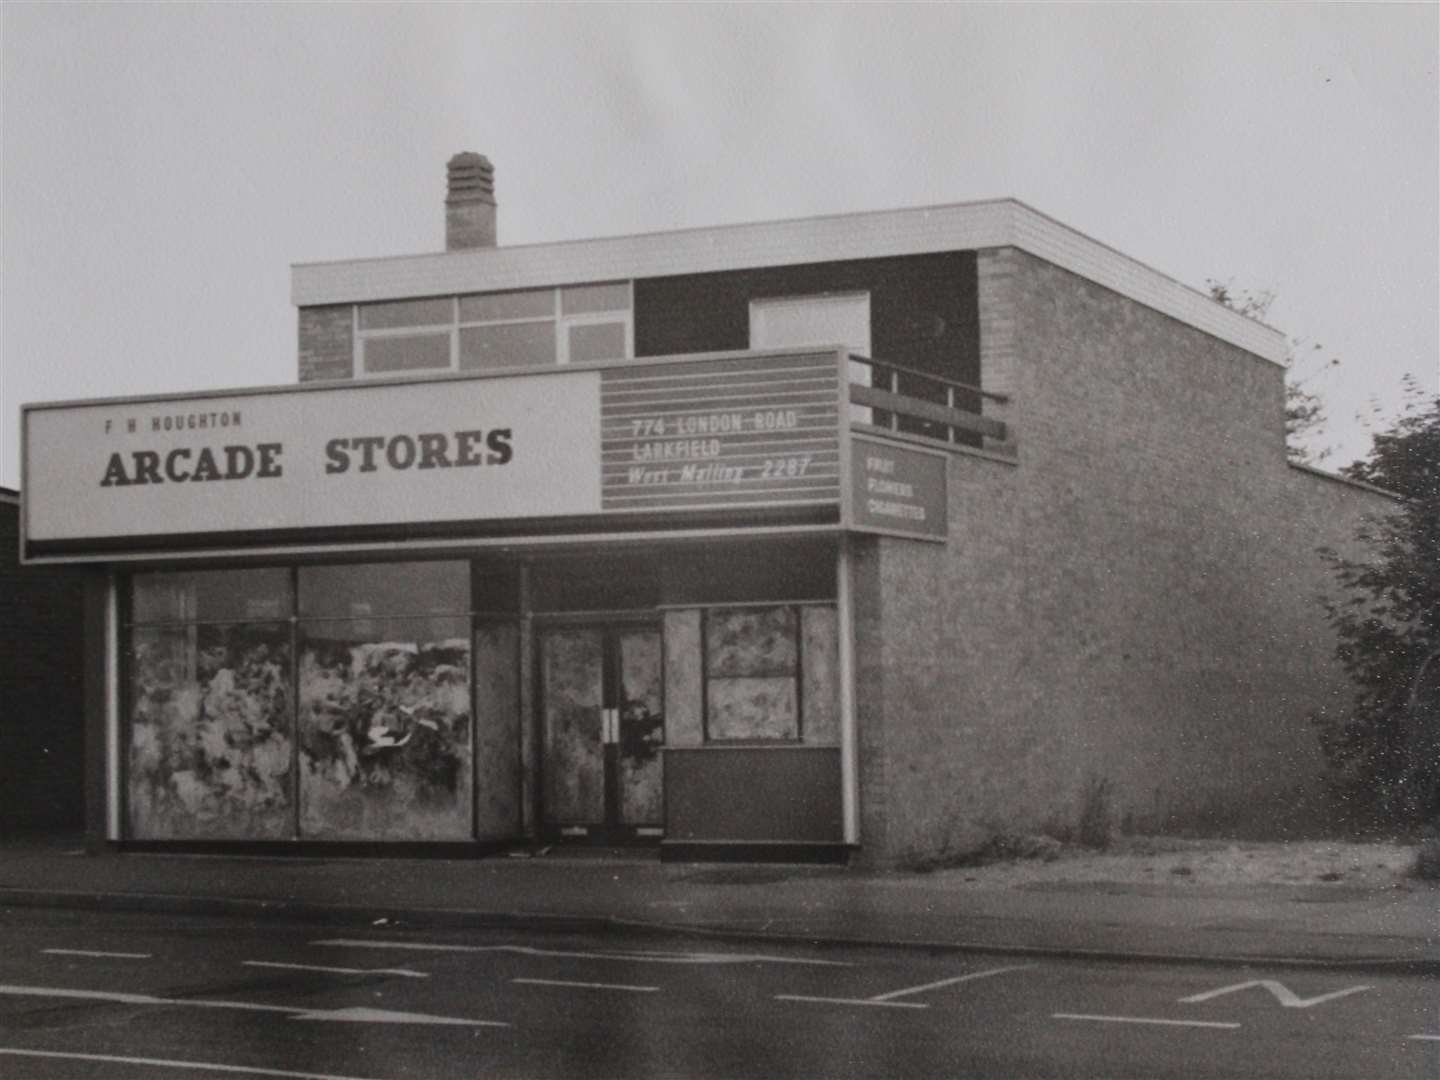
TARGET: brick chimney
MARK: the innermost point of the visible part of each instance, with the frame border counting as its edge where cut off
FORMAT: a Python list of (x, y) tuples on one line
[(469, 202)]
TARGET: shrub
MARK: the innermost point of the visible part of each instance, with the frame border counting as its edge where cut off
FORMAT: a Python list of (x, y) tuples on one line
[(1427, 860), (1096, 826)]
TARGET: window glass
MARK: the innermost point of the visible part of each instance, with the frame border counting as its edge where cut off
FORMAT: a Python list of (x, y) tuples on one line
[(372, 589), (751, 689), (434, 312), (210, 732), (497, 591), (409, 353), (750, 641), (505, 345), (492, 307), (384, 729), (751, 709), (211, 596), (579, 299), (596, 341)]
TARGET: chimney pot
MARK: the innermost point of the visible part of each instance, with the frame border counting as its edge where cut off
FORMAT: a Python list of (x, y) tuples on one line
[(469, 202)]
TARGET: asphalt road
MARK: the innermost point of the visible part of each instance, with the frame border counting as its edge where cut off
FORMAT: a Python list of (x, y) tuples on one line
[(133, 996)]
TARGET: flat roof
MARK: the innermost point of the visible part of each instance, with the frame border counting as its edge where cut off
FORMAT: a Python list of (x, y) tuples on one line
[(874, 234)]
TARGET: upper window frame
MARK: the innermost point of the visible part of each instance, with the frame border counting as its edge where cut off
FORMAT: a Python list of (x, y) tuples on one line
[(557, 317)]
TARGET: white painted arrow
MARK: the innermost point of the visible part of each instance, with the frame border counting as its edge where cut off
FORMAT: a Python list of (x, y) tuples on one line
[(352, 1014), (1283, 994)]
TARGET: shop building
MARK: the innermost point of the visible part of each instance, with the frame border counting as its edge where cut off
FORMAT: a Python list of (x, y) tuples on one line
[(41, 689), (876, 533)]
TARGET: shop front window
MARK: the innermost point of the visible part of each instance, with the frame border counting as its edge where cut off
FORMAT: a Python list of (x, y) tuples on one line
[(751, 669), (384, 702), (210, 733)]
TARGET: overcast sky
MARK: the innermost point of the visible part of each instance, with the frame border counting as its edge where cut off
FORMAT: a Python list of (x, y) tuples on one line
[(163, 165)]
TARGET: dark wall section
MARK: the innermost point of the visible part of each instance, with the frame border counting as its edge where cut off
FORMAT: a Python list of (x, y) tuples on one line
[(923, 308), (749, 794), (42, 734)]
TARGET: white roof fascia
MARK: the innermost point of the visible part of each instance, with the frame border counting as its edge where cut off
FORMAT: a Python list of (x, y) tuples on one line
[(955, 227)]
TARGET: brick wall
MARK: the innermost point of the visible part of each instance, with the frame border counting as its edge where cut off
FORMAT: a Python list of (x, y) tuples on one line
[(41, 690), (327, 342), (1131, 603)]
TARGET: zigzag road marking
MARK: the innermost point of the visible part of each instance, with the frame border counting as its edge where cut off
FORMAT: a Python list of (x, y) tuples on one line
[(1283, 994)]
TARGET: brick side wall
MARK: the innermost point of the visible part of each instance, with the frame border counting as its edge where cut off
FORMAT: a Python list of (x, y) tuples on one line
[(327, 342), (1133, 603), (41, 703)]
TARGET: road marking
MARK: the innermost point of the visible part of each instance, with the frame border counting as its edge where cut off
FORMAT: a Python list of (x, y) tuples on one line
[(337, 970), (1283, 994), (166, 1063), (854, 1001), (1145, 1020), (889, 998), (951, 982), (360, 1015), (530, 950), (96, 952), (588, 985), (1426, 1038)]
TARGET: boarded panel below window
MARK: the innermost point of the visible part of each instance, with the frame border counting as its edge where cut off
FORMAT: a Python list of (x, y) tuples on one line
[(752, 708)]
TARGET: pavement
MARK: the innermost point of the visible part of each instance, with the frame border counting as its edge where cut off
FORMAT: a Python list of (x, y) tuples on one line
[(1394, 928)]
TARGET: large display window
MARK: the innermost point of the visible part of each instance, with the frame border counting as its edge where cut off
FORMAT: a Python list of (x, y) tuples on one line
[(319, 703), (211, 725)]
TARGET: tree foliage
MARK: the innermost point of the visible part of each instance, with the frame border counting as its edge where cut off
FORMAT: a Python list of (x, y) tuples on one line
[(1304, 409), (1385, 749)]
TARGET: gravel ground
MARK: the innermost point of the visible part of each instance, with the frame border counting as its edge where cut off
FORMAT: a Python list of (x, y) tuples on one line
[(1184, 863)]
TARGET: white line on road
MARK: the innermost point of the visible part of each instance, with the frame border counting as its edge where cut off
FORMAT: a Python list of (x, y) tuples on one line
[(619, 954), (353, 1014), (209, 1066), (1282, 993), (889, 998), (1145, 1020), (588, 985), (336, 970), (120, 998), (950, 982), (98, 953), (1425, 1038), (854, 1001)]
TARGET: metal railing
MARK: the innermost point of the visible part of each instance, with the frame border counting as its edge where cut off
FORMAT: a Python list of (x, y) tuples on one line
[(898, 398)]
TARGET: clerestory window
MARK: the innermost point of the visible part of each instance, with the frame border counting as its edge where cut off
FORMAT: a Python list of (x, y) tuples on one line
[(576, 324)]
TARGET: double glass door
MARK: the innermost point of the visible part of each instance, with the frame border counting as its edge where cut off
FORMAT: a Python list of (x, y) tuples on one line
[(602, 726)]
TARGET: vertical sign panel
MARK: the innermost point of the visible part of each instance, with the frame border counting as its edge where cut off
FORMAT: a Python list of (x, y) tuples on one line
[(762, 431), (898, 489)]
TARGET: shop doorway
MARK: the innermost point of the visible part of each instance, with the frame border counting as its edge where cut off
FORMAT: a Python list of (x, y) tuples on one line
[(601, 704)]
